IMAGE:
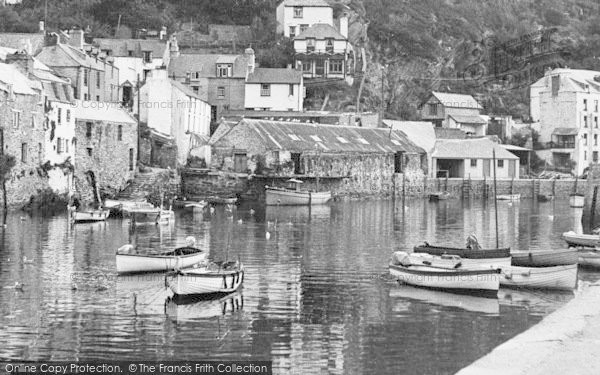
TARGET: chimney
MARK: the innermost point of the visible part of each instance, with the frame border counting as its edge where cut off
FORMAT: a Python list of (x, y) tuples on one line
[(344, 25), (163, 33), (249, 53), (42, 26), (22, 60), (76, 38), (173, 46)]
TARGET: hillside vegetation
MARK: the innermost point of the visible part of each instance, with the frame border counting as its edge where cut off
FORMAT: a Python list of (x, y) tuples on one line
[(423, 45)]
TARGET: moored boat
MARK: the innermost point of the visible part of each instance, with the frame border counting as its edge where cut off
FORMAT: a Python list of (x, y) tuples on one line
[(576, 200), (89, 216), (463, 252), (182, 257), (224, 277), (482, 281), (439, 196), (276, 196), (557, 277), (589, 259), (581, 240), (454, 261), (152, 216), (544, 258), (508, 197), (545, 197), (124, 207)]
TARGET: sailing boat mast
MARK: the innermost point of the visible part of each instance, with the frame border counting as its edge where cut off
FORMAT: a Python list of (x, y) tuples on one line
[(495, 197), (317, 168)]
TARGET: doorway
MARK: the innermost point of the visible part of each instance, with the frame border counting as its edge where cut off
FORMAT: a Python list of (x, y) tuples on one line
[(240, 163), (296, 159)]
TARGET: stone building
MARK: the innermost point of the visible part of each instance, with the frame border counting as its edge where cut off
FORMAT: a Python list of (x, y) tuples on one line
[(105, 148), (22, 134), (346, 159), (454, 111)]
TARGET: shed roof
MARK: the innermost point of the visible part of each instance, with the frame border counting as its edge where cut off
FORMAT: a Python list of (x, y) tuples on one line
[(102, 111), (274, 75), (515, 148), (419, 132), (298, 137), (565, 131), (320, 31), (306, 3), (206, 65), (477, 148), (463, 119), (453, 100)]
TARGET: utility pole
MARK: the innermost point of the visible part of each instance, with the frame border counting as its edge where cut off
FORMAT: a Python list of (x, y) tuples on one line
[(138, 117), (46, 15), (381, 111)]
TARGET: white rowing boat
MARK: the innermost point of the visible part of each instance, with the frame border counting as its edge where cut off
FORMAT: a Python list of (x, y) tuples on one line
[(581, 240), (214, 278), (89, 216), (181, 257), (557, 277), (508, 197), (454, 261), (543, 258)]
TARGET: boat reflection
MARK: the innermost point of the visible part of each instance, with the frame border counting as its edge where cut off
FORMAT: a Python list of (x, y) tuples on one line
[(297, 214), (143, 293), (464, 302), (181, 309), (542, 301)]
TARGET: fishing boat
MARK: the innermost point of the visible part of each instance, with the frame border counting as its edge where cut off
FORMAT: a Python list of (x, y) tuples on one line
[(508, 197), (180, 308), (557, 277), (216, 277), (544, 258), (439, 196), (294, 196), (483, 281), (589, 259), (182, 257), (455, 261), (581, 240), (89, 216)]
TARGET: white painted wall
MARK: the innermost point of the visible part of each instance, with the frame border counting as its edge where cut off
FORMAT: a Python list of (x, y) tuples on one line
[(310, 16), (279, 100), (64, 131), (130, 67)]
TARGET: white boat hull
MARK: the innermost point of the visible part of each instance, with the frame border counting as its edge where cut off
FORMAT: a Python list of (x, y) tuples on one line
[(589, 259), (558, 277), (198, 282), (581, 240), (576, 200), (544, 258), (90, 216), (508, 197), (475, 281), (465, 263), (284, 197), (131, 263), (464, 302)]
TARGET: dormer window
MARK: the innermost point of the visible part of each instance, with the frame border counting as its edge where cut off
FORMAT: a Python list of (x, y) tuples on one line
[(303, 28), (147, 56), (329, 45), (196, 75), (130, 53), (310, 45), (224, 70), (297, 12)]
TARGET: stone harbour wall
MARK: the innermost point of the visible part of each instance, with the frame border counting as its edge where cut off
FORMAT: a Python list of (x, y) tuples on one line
[(196, 183)]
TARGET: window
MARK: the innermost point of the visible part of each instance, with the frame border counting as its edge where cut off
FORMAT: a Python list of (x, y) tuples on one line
[(59, 116), (433, 109), (297, 12), (595, 156), (342, 140), (306, 66), (473, 162), (16, 119), (595, 106), (131, 159), (195, 89), (68, 115), (120, 133), (86, 97), (500, 163), (292, 31), (585, 140), (291, 90), (329, 45), (596, 122), (130, 53), (220, 92), (98, 79), (316, 138), (555, 85), (24, 152), (585, 104), (224, 70), (97, 98), (89, 151), (66, 145), (88, 129), (310, 45), (196, 75), (276, 159), (33, 121), (59, 146), (303, 28), (595, 139), (85, 77), (40, 151), (336, 66), (265, 89), (585, 121), (147, 56)]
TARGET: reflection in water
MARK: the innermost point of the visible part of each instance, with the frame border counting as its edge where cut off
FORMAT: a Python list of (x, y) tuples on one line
[(317, 296)]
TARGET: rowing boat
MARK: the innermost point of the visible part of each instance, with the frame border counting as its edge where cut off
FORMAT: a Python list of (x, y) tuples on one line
[(508, 197), (454, 261), (215, 278), (543, 258), (463, 252), (181, 257), (89, 216), (581, 240), (557, 277)]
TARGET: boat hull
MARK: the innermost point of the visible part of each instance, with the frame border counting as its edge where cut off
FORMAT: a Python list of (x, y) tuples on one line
[(589, 259), (581, 240), (484, 282), (465, 263), (434, 197), (508, 197), (282, 197), (136, 263), (198, 282), (463, 252), (544, 258), (90, 216), (576, 200), (556, 278)]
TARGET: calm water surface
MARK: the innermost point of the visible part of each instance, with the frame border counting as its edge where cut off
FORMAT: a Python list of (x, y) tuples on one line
[(317, 297)]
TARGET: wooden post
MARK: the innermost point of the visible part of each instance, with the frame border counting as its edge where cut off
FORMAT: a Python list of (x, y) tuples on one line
[(553, 188), (593, 208), (495, 198)]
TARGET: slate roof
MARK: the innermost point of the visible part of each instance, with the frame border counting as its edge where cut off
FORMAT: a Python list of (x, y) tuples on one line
[(421, 133), (298, 137), (572, 80), (206, 65), (102, 111), (477, 148), (274, 75), (10, 75), (461, 119), (60, 92), (452, 100), (306, 3), (565, 131), (62, 55), (186, 90), (121, 47), (320, 31)]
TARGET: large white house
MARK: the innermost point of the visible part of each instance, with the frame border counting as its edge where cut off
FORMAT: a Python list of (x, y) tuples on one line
[(273, 89), (565, 105), (295, 16), (322, 52), (173, 112)]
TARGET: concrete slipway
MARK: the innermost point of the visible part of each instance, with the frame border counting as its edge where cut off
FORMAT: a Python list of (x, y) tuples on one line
[(565, 342)]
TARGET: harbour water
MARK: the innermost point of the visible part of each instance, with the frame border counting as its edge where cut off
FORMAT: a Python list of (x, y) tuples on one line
[(317, 297)]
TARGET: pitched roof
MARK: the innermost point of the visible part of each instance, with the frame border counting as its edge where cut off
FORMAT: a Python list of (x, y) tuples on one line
[(63, 55), (320, 31), (449, 133), (10, 75), (452, 100), (565, 131), (206, 65), (306, 3), (476, 148), (21, 41), (274, 75), (515, 148), (183, 88), (420, 133), (578, 80), (60, 92), (462, 119), (102, 111), (292, 136), (121, 47)]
